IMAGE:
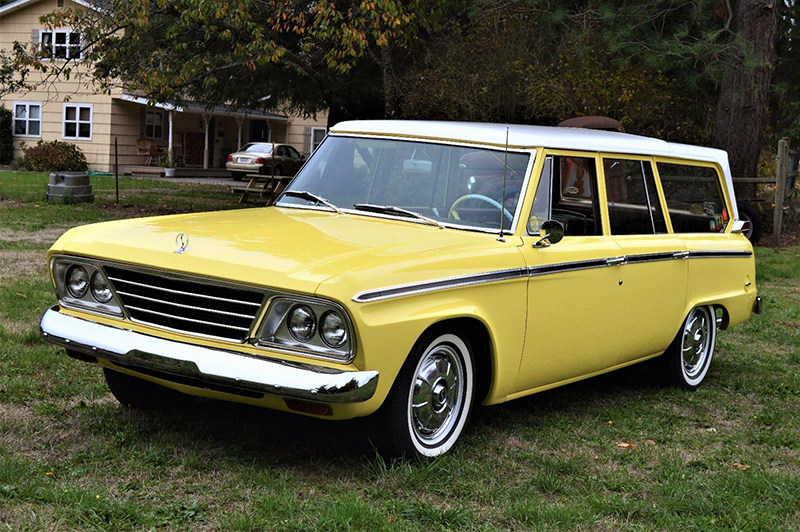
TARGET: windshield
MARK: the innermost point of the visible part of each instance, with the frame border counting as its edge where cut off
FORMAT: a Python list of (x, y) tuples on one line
[(260, 147), (450, 184)]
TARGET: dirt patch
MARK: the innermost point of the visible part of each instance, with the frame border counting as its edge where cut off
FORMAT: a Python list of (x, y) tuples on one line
[(15, 265), (789, 324), (44, 236)]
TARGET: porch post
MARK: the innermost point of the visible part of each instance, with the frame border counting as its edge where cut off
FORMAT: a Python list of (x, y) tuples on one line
[(206, 120), (169, 143), (239, 122)]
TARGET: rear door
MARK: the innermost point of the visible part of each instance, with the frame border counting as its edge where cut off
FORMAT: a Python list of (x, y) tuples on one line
[(653, 275)]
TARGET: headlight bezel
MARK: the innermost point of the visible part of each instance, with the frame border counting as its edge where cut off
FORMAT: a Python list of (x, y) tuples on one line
[(60, 266), (273, 331)]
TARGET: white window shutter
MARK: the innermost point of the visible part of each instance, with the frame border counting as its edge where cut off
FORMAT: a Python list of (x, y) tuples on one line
[(306, 140)]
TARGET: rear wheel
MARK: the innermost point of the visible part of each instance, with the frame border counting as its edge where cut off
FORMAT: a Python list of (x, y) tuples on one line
[(139, 393), (237, 176), (429, 404), (686, 361)]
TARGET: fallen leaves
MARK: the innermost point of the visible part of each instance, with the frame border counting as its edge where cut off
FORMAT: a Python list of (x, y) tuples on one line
[(743, 467), (626, 445)]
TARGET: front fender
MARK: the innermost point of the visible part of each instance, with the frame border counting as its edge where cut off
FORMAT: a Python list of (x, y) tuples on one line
[(387, 330)]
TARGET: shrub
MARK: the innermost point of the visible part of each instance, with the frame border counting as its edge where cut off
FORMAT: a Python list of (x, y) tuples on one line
[(6, 137), (55, 156)]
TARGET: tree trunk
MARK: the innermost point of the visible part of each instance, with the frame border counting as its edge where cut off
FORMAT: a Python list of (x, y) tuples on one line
[(742, 105)]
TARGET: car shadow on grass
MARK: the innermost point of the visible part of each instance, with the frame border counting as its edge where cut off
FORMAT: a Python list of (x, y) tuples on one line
[(257, 435)]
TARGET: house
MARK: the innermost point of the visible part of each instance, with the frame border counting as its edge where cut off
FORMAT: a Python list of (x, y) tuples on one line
[(75, 111)]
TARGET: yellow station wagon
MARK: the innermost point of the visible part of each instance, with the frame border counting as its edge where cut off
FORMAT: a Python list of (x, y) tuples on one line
[(407, 273)]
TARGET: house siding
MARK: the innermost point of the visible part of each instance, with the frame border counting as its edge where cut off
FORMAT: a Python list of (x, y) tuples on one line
[(114, 118)]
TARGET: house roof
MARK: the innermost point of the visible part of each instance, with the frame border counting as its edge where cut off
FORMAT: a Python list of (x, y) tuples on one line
[(196, 107), (19, 4)]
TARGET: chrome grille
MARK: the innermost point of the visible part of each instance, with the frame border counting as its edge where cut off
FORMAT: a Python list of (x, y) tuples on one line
[(189, 306)]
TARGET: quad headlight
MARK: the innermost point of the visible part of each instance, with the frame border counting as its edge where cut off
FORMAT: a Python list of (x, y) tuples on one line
[(314, 326), (80, 283)]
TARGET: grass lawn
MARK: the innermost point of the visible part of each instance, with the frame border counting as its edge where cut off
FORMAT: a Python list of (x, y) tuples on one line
[(724, 457)]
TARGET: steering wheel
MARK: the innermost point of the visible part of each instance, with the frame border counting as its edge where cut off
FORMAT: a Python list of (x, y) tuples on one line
[(454, 213)]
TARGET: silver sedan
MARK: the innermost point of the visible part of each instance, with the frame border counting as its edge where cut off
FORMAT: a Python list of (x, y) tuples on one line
[(257, 158)]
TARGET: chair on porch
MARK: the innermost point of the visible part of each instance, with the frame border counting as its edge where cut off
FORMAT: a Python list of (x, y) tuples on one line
[(149, 148)]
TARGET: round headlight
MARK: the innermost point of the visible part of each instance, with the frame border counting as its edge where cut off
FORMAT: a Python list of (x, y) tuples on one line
[(302, 323), (77, 281), (100, 289), (333, 329)]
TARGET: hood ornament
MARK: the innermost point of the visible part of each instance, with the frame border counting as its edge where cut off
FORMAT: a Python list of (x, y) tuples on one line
[(182, 244)]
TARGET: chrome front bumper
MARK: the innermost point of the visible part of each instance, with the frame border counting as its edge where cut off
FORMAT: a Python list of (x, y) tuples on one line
[(214, 366)]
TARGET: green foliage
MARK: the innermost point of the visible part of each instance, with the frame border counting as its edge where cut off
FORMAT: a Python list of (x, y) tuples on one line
[(55, 156), (6, 137)]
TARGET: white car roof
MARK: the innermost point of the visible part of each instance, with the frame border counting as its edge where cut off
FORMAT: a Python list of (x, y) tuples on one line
[(522, 136)]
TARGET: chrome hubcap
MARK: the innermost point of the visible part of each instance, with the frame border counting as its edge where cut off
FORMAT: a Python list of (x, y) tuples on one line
[(696, 341), (437, 395)]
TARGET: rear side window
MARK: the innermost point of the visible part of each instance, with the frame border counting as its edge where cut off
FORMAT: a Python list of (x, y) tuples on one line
[(633, 205), (694, 198)]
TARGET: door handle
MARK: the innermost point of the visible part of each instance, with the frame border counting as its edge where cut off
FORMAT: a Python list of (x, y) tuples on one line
[(680, 255), (615, 261)]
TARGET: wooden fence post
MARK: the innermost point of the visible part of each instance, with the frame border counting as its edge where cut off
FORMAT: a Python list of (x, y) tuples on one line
[(780, 189)]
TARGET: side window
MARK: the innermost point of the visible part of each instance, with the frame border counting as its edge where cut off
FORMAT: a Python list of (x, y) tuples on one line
[(569, 183), (282, 151), (293, 153), (694, 198), (633, 206), (541, 202)]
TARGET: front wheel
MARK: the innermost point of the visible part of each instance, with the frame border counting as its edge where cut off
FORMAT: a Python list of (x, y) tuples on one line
[(429, 404), (687, 359)]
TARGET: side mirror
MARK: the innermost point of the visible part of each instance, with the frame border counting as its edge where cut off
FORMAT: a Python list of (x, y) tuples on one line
[(552, 231)]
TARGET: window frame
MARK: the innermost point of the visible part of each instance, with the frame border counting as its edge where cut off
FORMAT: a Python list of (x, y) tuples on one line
[(67, 46), (154, 125), (600, 186), (77, 121), (721, 184), (27, 120), (311, 142)]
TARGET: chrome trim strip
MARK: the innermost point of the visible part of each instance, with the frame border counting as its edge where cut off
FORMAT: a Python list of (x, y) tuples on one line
[(216, 366), (535, 271), (181, 318), (721, 254), (190, 307), (438, 284), (181, 292)]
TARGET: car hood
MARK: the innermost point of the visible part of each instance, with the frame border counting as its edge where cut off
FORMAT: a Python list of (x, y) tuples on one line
[(288, 248)]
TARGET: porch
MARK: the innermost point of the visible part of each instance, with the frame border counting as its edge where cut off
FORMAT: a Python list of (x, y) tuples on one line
[(194, 138)]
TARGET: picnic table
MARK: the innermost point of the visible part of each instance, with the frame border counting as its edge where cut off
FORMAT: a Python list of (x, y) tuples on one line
[(269, 186)]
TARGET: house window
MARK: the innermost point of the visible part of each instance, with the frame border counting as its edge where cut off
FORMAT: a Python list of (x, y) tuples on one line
[(60, 44), (317, 135), (77, 121), (154, 124), (27, 119)]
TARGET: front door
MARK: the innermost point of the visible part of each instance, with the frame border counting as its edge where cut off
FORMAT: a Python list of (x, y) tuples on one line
[(575, 301)]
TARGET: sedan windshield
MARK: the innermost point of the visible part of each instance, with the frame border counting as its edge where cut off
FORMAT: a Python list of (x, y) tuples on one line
[(260, 147), (453, 185)]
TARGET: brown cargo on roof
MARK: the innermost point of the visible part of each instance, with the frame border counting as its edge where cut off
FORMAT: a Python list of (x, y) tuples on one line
[(593, 122)]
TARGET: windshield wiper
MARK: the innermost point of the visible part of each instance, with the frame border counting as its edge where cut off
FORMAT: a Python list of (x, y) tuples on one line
[(310, 196), (391, 209)]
